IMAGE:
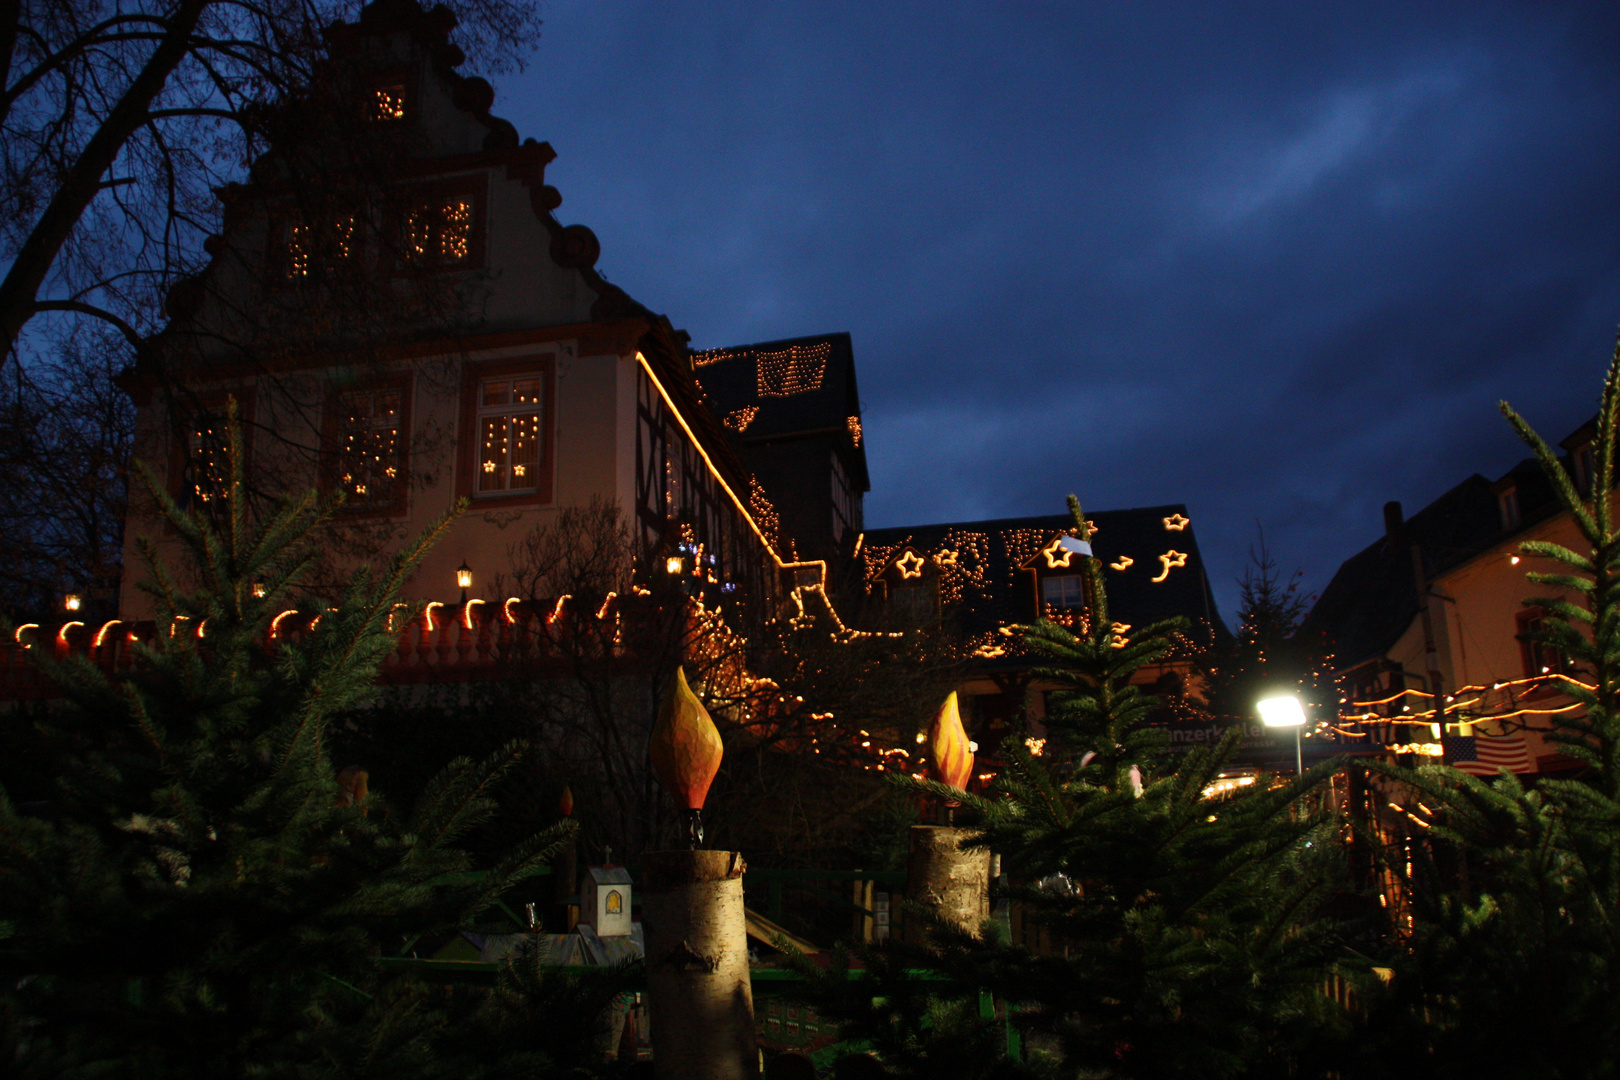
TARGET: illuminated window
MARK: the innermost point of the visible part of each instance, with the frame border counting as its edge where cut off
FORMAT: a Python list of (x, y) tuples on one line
[(1063, 590), (199, 463), (207, 468), (509, 415), (386, 101), (1539, 657), (440, 231), (314, 249), (368, 450)]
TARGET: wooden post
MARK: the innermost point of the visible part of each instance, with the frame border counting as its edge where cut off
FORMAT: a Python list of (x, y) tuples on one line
[(699, 996), (952, 883)]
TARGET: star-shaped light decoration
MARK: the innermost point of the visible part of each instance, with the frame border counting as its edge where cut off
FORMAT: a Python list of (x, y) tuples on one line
[(910, 564), (1056, 554), (1120, 629), (1176, 522), (946, 557), (1170, 560), (1125, 563)]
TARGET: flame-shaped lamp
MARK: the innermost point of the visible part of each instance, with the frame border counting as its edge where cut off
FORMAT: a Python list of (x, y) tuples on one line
[(686, 752), (950, 756), (565, 801)]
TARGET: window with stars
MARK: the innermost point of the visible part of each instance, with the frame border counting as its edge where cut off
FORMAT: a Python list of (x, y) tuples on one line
[(367, 431), (508, 412)]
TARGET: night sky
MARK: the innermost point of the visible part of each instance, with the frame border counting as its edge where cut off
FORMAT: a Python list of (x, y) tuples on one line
[(1273, 262)]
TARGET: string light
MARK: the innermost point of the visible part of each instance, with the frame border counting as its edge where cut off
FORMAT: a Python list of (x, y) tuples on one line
[(101, 635), (1125, 563), (387, 102), (910, 565), (506, 609), (739, 420), (798, 369), (467, 612), (854, 424), (1176, 522), (275, 623), (17, 637), (61, 635), (427, 615)]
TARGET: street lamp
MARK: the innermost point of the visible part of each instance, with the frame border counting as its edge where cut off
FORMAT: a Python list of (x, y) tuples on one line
[(72, 602), (1284, 710), (464, 579)]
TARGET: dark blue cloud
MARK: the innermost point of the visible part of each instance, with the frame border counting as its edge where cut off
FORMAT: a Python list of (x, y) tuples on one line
[(1273, 261)]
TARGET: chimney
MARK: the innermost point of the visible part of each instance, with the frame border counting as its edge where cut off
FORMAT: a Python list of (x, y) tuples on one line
[(1392, 519)]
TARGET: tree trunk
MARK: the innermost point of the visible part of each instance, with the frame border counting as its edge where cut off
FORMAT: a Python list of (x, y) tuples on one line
[(81, 181)]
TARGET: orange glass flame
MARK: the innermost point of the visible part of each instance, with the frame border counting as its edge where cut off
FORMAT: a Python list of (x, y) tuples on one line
[(950, 758), (685, 747), (565, 803)]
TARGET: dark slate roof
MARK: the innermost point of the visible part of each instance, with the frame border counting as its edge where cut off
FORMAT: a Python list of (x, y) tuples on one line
[(796, 386), (986, 589), (1373, 597)]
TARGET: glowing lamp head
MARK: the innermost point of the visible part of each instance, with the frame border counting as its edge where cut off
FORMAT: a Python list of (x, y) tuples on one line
[(72, 602), (674, 564), (463, 576), (1281, 710)]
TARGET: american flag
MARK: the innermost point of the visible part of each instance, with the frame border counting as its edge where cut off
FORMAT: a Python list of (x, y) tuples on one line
[(1482, 755)]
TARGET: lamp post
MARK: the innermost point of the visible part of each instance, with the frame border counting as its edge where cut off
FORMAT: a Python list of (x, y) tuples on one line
[(464, 579), (1284, 710)]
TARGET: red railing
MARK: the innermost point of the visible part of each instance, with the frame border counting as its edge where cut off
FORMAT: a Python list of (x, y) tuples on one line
[(445, 642)]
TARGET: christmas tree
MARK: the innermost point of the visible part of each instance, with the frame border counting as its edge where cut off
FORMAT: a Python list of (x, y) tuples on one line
[(1510, 960), (203, 893), (1184, 927)]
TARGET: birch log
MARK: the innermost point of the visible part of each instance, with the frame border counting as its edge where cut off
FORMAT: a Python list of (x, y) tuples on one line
[(699, 997), (952, 883)]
